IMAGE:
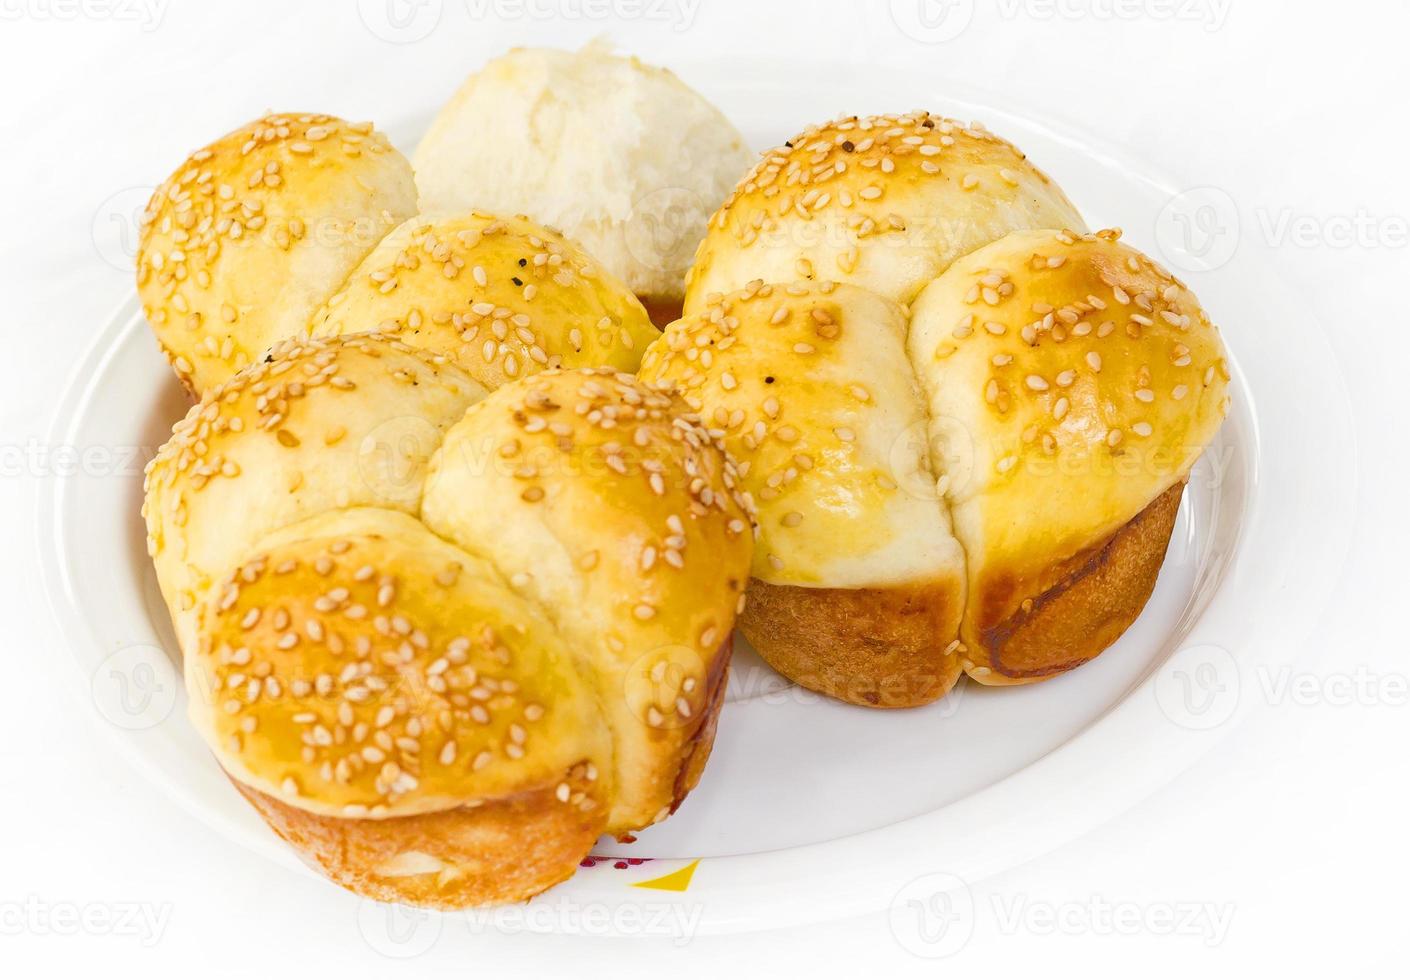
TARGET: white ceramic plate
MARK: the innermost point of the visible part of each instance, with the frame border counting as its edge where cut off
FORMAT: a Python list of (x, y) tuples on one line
[(811, 809)]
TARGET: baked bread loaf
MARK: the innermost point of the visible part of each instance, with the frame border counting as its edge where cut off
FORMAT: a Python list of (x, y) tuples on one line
[(443, 640), (989, 483), (618, 155), (503, 297), (243, 242), (885, 202)]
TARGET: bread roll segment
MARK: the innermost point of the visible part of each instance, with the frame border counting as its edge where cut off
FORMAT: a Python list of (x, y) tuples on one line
[(396, 698), (810, 385), (245, 240), (886, 202), (386, 672), (556, 462), (503, 297), (322, 424), (1086, 380)]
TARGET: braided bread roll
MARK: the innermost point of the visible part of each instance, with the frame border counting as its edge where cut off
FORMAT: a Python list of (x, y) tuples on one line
[(425, 708), (503, 297), (885, 202), (989, 484), (252, 233)]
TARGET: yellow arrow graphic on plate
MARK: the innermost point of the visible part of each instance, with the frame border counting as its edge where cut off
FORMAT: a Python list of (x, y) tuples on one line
[(676, 881)]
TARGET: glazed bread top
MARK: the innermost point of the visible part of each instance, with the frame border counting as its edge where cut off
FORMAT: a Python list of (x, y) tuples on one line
[(358, 665), (885, 202), (811, 386), (619, 155), (1042, 391), (503, 297), (248, 236), (321, 425), (604, 502), (1084, 378), (338, 534)]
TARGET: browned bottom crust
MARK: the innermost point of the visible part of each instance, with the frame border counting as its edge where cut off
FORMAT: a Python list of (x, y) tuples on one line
[(662, 309), (1030, 629), (505, 850), (879, 647)]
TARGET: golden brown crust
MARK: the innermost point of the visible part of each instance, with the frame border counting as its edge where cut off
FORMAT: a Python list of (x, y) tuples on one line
[(883, 202), (1078, 607), (502, 296), (251, 233), (504, 850), (891, 647)]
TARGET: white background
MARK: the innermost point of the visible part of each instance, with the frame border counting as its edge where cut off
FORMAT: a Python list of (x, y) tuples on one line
[(1294, 831)]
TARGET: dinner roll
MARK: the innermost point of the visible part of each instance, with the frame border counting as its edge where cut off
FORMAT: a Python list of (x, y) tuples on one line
[(990, 485), (885, 202), (425, 712), (858, 582), (618, 155), (1085, 381), (503, 297), (243, 242)]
